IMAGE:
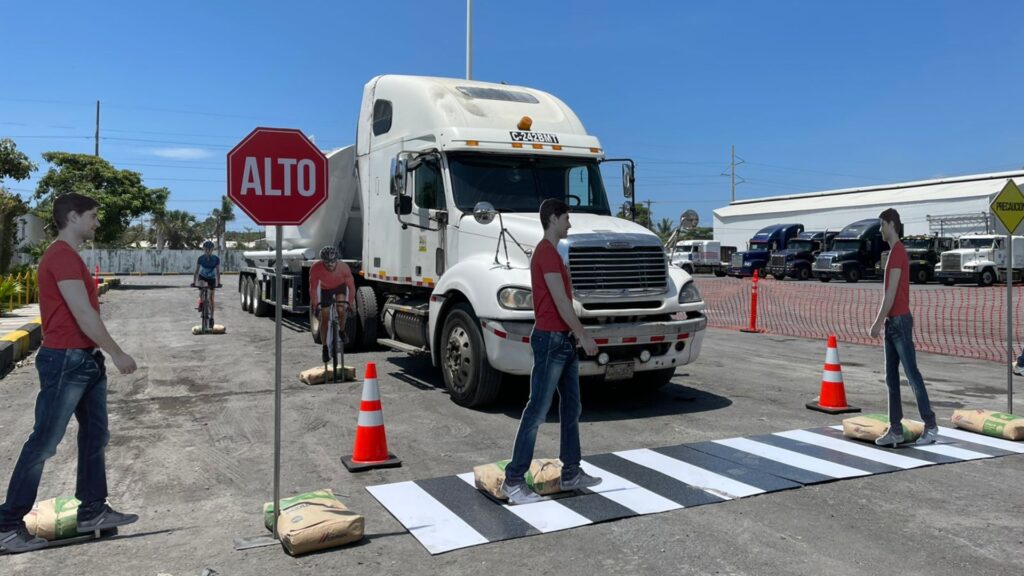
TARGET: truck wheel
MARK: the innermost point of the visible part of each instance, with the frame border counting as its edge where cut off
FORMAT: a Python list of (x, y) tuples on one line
[(986, 277), (948, 282), (653, 380), (720, 273), (250, 294), (367, 316), (314, 326), (825, 278), (852, 275), (260, 307), (803, 273), (778, 276), (468, 375), (243, 293), (920, 276)]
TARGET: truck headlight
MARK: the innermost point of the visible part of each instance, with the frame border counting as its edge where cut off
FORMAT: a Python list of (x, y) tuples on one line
[(689, 294), (513, 298)]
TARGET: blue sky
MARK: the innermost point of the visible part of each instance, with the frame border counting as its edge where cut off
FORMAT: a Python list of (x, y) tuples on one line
[(814, 95)]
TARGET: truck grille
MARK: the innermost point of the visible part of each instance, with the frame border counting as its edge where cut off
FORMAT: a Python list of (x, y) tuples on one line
[(823, 263), (639, 270), (736, 261), (778, 262), (951, 262)]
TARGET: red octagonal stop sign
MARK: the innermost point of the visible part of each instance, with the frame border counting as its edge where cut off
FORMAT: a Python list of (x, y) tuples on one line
[(277, 176)]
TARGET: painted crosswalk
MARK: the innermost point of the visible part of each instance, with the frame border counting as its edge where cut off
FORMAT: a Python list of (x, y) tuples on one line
[(449, 513)]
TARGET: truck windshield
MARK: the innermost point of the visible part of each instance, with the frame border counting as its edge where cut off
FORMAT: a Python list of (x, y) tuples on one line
[(917, 244), (521, 183), (846, 246), (973, 243), (760, 245), (802, 245)]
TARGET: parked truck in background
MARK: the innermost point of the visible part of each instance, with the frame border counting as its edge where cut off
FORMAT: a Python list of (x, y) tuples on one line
[(980, 258), (760, 248), (698, 257), (923, 253), (435, 209), (796, 260), (855, 251)]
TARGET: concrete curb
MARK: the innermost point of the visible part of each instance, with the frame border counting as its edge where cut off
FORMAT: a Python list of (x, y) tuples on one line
[(18, 344)]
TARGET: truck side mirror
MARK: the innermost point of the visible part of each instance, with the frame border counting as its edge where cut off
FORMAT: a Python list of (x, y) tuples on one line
[(399, 170), (627, 180), (403, 205)]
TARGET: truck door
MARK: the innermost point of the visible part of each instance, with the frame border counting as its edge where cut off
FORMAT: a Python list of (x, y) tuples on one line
[(429, 209)]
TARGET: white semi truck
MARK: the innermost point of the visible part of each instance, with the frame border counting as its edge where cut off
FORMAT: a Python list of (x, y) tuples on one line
[(435, 209), (698, 257), (980, 258)]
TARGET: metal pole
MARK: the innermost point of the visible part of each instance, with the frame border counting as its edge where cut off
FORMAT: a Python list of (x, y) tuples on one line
[(469, 39), (277, 379), (1009, 323), (97, 128), (732, 163)]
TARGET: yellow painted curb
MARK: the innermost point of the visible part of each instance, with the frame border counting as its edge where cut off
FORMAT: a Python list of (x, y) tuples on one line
[(21, 342)]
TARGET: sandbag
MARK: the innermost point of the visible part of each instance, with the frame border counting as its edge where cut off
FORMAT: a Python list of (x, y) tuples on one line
[(543, 477), (217, 329), (990, 423), (319, 375), (873, 426), (315, 521), (54, 519)]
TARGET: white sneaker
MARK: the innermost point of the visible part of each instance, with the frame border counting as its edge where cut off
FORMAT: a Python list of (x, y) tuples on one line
[(520, 493), (1017, 369)]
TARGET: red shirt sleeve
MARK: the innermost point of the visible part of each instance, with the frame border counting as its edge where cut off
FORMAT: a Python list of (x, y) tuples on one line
[(66, 265)]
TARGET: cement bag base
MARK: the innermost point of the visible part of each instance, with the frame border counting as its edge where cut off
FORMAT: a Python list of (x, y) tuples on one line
[(217, 329), (543, 477), (315, 521), (870, 427), (54, 519), (319, 375), (990, 423)]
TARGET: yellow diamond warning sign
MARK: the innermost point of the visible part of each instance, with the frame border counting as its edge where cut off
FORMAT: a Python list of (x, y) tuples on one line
[(1008, 207)]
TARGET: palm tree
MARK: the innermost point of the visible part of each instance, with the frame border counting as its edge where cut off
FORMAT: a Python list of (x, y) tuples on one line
[(181, 230), (223, 215), (664, 229)]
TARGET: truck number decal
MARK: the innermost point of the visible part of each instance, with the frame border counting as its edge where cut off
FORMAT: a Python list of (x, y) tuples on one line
[(534, 137)]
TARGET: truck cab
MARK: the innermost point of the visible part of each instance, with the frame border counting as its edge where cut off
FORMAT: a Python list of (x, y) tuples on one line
[(855, 251), (796, 260), (760, 248), (923, 253), (979, 258), (698, 256)]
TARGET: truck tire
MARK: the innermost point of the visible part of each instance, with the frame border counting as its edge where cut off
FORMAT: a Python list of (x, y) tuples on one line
[(852, 275), (803, 273), (260, 307), (653, 380), (986, 277), (825, 278), (243, 293), (948, 282), (778, 276), (314, 326), (368, 316), (920, 275), (469, 377), (250, 290), (719, 273)]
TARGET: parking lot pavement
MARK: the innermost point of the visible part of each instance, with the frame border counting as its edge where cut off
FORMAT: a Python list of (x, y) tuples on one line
[(191, 452)]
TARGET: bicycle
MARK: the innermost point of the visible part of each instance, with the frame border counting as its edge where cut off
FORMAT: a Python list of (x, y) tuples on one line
[(203, 306), (336, 338)]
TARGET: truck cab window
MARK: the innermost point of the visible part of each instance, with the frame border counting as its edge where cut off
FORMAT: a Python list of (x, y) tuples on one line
[(578, 187), (381, 117), (429, 186)]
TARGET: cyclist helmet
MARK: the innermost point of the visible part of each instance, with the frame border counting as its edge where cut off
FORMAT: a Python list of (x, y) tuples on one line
[(328, 254), (208, 245)]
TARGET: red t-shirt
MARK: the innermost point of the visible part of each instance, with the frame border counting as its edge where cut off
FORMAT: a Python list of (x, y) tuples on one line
[(898, 260), (546, 260), (320, 278), (60, 329)]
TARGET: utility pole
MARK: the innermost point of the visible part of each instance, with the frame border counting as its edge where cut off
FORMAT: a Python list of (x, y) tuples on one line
[(97, 153), (650, 217), (469, 39), (732, 170)]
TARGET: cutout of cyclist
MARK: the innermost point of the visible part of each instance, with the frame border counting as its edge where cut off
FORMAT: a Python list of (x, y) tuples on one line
[(208, 270), (331, 279)]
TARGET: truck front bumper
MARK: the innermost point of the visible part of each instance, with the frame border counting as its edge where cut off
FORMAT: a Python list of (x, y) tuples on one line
[(671, 343), (956, 275)]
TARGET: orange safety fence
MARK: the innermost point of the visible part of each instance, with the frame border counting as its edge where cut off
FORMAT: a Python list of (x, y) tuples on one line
[(963, 321)]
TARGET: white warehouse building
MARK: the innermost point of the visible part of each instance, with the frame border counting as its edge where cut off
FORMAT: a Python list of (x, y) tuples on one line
[(947, 206)]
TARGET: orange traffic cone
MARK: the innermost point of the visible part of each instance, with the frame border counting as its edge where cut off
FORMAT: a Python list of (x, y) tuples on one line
[(832, 399), (371, 446)]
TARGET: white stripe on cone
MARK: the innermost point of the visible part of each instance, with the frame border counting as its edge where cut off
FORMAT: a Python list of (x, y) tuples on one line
[(831, 377), (375, 418), (370, 390)]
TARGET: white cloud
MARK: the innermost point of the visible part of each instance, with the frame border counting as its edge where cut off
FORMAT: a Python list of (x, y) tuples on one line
[(182, 153)]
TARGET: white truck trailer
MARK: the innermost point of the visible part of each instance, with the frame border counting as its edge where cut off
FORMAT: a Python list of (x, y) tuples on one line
[(698, 257), (435, 208)]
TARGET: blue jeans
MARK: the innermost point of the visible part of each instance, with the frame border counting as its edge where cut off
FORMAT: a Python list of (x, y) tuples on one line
[(899, 348), (555, 366), (72, 381)]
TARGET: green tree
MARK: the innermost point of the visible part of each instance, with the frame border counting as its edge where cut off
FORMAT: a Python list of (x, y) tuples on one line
[(15, 165), (121, 193), (664, 229), (180, 230), (223, 215), (643, 215)]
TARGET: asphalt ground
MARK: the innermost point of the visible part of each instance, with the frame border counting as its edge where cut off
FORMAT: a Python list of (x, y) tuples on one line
[(191, 451)]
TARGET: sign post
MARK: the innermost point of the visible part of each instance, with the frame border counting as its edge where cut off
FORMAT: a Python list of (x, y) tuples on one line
[(1008, 208), (278, 178)]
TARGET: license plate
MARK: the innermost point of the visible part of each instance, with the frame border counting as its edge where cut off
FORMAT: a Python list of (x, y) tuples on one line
[(623, 371)]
